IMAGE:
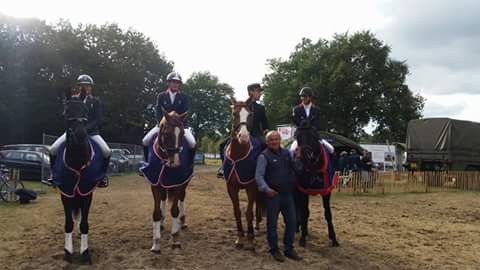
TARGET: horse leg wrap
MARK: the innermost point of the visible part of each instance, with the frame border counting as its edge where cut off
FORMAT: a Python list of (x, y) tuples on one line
[(69, 243), (156, 236), (156, 230), (83, 243), (176, 225), (162, 209), (181, 208)]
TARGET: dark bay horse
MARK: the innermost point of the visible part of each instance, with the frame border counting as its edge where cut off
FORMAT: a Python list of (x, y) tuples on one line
[(317, 177), (239, 167), (169, 171), (78, 173)]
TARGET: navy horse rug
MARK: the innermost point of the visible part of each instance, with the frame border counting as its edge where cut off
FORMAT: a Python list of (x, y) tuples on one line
[(83, 181), (157, 173), (243, 168), (321, 181)]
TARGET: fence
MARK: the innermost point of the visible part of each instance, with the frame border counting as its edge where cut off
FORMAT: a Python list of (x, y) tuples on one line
[(125, 157), (399, 182)]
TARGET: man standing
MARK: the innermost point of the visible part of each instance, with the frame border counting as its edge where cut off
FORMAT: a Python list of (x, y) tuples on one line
[(94, 105), (275, 176), (259, 119), (169, 100)]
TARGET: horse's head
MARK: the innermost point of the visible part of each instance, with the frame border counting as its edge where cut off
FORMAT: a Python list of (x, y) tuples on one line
[(76, 116), (171, 132), (308, 141), (241, 121)]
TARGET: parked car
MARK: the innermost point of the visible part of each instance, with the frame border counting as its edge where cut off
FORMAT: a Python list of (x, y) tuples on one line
[(29, 163), (118, 162), (199, 158), (27, 147)]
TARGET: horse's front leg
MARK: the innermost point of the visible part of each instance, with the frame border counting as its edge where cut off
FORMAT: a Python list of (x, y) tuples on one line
[(174, 195), (251, 195), (85, 204), (68, 209), (233, 190), (158, 216), (181, 206), (328, 218)]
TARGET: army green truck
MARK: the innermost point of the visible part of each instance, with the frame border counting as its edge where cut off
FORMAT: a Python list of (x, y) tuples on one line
[(443, 144)]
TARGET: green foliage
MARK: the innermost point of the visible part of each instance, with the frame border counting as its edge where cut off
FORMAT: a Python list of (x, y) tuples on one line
[(210, 105), (355, 82), (39, 61)]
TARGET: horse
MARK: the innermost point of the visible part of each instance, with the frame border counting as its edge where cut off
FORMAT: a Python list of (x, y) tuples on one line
[(317, 177), (169, 170), (77, 172), (239, 171)]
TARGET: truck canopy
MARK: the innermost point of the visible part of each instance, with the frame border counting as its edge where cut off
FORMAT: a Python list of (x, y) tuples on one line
[(443, 135)]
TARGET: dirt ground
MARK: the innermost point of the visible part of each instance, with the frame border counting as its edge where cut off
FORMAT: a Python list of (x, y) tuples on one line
[(406, 231)]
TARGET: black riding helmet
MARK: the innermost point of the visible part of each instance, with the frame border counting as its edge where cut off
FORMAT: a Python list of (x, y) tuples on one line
[(306, 92), (253, 86), (174, 76), (85, 80)]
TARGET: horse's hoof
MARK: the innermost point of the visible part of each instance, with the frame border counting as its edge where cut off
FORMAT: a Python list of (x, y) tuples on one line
[(162, 227), (335, 243), (250, 247), (156, 251), (67, 256), (86, 259), (184, 226), (176, 245)]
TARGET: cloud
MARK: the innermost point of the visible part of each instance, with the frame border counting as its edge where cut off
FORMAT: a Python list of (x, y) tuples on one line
[(439, 40)]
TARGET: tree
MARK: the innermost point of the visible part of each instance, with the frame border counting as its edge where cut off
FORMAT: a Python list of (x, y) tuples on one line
[(355, 82), (210, 105), (39, 61)]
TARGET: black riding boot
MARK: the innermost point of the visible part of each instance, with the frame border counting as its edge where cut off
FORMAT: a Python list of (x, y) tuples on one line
[(104, 182)]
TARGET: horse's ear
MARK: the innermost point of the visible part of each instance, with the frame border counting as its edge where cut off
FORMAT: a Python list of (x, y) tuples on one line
[(68, 94), (234, 101), (165, 114), (183, 116)]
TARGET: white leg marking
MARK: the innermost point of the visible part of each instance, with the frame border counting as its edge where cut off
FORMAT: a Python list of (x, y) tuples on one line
[(84, 243), (176, 225), (156, 236), (69, 242)]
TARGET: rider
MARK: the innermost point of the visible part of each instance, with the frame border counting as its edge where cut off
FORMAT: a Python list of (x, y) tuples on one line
[(259, 120), (307, 112), (169, 100), (94, 106)]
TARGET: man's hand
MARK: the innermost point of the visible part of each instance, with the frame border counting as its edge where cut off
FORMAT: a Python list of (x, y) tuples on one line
[(271, 193), (298, 152)]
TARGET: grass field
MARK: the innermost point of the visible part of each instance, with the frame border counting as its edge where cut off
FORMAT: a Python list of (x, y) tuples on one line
[(401, 231)]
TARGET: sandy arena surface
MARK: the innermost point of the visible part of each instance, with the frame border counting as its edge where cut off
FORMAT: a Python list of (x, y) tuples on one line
[(405, 231)]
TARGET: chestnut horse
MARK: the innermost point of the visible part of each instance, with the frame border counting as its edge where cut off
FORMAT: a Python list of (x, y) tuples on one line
[(241, 155), (169, 171)]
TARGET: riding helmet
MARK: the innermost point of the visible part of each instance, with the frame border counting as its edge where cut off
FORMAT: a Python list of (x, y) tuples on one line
[(254, 86), (174, 76), (306, 92), (84, 79)]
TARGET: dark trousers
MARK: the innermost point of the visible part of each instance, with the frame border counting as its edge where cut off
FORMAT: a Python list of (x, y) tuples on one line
[(281, 203)]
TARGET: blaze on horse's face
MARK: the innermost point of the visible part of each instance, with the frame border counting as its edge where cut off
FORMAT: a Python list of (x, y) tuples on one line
[(170, 137), (311, 151), (242, 121)]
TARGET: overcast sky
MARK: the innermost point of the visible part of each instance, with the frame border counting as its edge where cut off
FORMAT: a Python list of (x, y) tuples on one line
[(439, 39)]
